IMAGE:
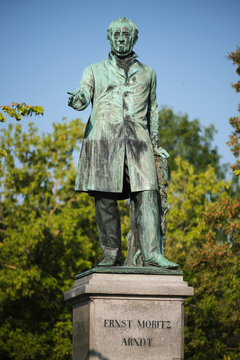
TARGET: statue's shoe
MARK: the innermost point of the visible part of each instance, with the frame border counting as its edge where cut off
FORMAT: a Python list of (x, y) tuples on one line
[(109, 261), (161, 261)]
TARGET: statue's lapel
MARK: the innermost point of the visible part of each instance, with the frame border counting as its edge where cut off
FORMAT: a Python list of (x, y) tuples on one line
[(113, 64), (133, 69)]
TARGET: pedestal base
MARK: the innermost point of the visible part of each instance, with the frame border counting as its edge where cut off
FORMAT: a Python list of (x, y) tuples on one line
[(120, 314)]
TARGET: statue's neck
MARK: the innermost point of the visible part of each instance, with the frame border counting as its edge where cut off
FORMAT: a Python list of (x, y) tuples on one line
[(124, 58), (124, 61)]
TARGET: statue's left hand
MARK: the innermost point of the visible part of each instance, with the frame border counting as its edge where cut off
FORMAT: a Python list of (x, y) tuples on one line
[(161, 152)]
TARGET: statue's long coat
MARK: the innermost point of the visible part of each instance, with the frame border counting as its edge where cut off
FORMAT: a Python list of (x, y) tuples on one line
[(123, 122)]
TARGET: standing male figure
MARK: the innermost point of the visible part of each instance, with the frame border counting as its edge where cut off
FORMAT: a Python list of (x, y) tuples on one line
[(120, 141)]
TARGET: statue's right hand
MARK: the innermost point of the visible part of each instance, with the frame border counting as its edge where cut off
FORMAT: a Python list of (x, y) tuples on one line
[(80, 97), (70, 99)]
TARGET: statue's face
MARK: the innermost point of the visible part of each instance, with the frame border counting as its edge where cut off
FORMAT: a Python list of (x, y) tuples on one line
[(121, 40)]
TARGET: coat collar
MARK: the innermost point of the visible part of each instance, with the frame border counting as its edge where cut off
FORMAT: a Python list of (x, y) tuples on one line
[(133, 66)]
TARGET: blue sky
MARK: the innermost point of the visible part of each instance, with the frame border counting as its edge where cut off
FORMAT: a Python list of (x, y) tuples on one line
[(45, 45)]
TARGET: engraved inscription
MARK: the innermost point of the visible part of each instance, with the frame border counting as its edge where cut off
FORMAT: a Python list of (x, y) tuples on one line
[(136, 342), (141, 324), (118, 323), (153, 324), (157, 325)]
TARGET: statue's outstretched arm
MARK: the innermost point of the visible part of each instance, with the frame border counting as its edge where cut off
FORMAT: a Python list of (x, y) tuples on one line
[(82, 97)]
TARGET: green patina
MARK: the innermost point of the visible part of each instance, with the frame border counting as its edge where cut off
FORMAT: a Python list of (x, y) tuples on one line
[(120, 144)]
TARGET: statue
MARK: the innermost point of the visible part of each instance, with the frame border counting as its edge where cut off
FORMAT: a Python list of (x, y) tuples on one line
[(119, 149)]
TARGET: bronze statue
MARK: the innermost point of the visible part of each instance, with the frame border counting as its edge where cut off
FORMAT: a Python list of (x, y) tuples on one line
[(118, 149)]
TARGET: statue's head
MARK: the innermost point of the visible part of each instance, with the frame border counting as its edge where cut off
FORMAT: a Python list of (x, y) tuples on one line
[(122, 34)]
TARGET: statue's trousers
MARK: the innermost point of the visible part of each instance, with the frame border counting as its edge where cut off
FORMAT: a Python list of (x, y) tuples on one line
[(147, 217)]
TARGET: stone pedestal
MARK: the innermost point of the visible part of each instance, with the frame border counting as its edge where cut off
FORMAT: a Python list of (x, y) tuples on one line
[(128, 313)]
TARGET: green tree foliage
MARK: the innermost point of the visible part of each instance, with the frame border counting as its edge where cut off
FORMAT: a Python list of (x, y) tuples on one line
[(189, 194), (234, 142), (203, 236), (47, 233), (16, 111), (189, 140)]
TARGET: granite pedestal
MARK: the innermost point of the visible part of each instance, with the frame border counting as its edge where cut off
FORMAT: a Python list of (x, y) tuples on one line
[(128, 313)]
